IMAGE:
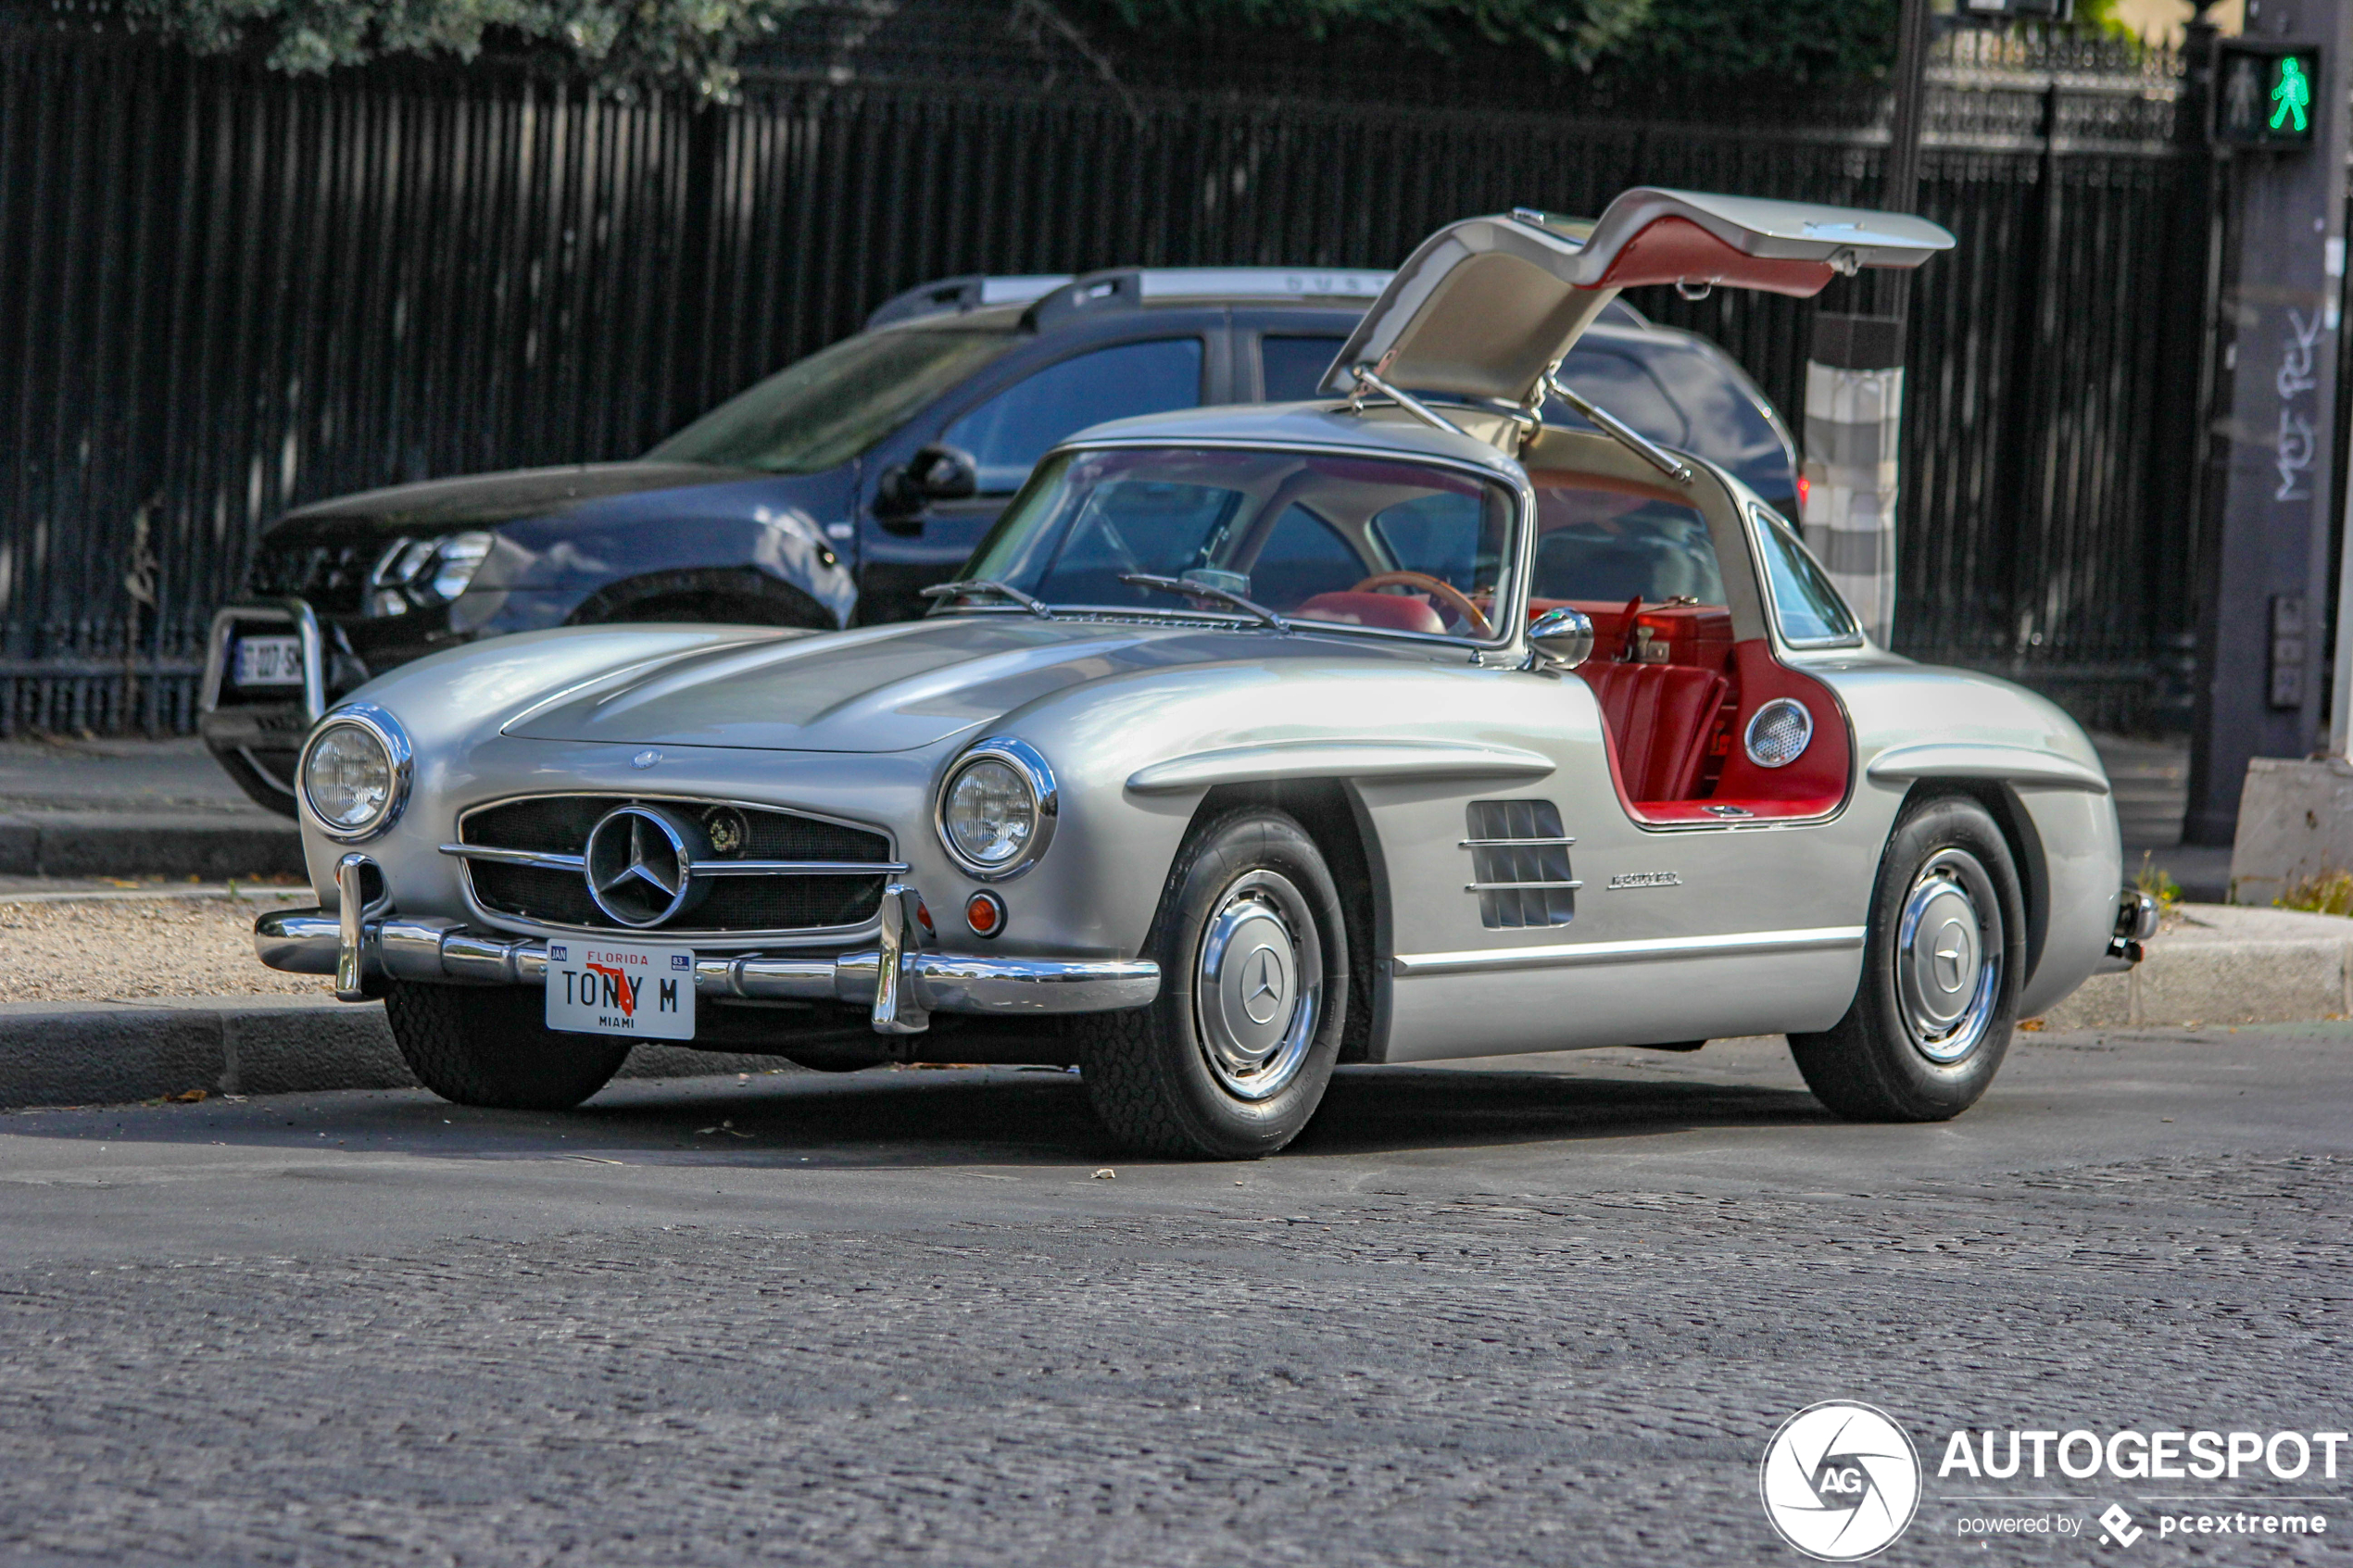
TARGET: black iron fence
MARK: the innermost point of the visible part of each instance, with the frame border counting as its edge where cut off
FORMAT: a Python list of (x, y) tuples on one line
[(227, 293)]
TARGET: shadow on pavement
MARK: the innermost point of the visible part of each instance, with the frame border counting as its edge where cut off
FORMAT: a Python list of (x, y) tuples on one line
[(948, 1118)]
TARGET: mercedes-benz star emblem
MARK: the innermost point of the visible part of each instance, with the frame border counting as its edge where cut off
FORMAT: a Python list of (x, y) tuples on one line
[(1262, 986), (637, 865)]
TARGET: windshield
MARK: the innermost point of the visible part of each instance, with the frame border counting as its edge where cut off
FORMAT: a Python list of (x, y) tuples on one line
[(828, 408), (1397, 546)]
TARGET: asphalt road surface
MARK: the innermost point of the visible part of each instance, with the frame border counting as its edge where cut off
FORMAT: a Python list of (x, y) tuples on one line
[(1542, 1310)]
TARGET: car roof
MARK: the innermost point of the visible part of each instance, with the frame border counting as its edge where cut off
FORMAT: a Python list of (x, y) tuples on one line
[(1321, 423), (1357, 287)]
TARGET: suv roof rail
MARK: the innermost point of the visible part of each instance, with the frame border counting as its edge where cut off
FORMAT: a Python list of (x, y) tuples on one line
[(971, 291), (1051, 296)]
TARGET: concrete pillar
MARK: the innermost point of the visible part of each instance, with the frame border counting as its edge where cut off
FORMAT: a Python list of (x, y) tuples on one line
[(2266, 565)]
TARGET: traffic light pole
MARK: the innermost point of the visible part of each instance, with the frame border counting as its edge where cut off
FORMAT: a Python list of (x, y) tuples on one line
[(1900, 187), (2272, 445)]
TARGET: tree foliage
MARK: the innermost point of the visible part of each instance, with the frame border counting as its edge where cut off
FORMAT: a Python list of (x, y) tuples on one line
[(686, 44), (1579, 32), (1798, 41)]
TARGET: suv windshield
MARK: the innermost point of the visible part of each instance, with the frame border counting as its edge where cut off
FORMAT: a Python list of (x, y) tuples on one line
[(1397, 546), (825, 410)]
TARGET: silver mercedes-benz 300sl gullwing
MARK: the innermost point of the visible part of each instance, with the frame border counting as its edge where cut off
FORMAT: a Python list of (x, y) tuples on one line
[(1394, 727)]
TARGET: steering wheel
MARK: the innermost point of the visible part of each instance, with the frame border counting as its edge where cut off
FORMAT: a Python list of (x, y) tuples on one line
[(1437, 588)]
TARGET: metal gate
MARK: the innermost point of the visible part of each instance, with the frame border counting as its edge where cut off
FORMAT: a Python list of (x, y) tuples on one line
[(229, 293)]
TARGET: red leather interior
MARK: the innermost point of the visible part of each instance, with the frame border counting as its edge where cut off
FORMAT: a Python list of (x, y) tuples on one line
[(1817, 781), (1674, 714), (1659, 716), (1676, 250), (1394, 612)]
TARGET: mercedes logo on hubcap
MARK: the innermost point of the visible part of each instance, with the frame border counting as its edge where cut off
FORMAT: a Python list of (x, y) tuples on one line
[(637, 865), (1261, 985)]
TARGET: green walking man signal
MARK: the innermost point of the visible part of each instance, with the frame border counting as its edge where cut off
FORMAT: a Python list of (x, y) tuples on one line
[(2293, 93), (2264, 94)]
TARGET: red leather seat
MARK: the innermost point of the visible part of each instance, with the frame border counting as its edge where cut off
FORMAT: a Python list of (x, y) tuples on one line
[(1394, 612), (1658, 716)]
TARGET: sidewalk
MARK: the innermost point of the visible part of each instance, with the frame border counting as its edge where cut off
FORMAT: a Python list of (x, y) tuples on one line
[(102, 1028), (2217, 963), (2151, 779), (83, 809)]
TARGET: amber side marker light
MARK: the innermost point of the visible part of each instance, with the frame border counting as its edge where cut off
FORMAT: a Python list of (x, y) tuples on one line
[(985, 913)]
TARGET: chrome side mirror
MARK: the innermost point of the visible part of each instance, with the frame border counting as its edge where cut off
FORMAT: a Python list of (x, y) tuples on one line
[(1563, 638)]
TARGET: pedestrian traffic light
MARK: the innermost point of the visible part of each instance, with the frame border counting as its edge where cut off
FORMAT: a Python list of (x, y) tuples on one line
[(2265, 94)]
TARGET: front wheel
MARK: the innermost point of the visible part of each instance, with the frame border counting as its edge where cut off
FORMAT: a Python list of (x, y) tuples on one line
[(1232, 1058), (491, 1046), (1943, 962)]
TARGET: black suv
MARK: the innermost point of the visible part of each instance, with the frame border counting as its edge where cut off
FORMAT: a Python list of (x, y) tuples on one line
[(832, 492)]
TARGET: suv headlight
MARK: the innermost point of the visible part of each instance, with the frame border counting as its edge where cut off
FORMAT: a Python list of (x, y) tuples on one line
[(426, 572), (354, 773), (997, 809)]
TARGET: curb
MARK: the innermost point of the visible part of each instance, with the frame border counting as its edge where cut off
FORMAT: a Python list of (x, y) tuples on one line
[(98, 1053), (2291, 981), (174, 845)]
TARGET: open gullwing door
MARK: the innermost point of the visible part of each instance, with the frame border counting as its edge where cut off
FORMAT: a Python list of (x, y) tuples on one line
[(1483, 307)]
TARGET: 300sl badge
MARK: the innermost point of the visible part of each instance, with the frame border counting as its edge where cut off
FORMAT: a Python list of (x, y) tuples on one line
[(1646, 879)]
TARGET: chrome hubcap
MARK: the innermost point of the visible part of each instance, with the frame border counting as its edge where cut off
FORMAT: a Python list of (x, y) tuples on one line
[(1258, 986), (1948, 956)]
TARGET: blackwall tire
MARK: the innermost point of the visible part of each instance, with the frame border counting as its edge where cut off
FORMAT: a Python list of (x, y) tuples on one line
[(1232, 1058), (489, 1046), (1943, 962)]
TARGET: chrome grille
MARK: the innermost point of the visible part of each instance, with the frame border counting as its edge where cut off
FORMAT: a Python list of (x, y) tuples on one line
[(539, 842), (333, 578), (1520, 864)]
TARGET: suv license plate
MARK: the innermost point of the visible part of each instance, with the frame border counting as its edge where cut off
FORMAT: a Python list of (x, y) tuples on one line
[(601, 987), (268, 662)]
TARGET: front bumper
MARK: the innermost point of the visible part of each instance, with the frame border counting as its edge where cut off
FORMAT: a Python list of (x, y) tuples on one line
[(899, 985)]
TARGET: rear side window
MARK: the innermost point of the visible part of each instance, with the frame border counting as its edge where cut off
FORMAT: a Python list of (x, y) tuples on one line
[(1727, 424), (1007, 434), (1809, 610), (1623, 387), (1291, 369), (1608, 546)]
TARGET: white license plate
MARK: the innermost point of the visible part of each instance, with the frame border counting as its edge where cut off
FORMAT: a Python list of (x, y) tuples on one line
[(268, 662), (601, 987)]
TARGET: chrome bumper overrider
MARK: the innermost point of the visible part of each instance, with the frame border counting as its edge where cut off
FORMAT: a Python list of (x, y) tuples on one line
[(2136, 919), (314, 942)]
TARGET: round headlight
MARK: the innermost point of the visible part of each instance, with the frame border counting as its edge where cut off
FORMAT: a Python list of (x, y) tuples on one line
[(1778, 733), (989, 814), (997, 809), (355, 772)]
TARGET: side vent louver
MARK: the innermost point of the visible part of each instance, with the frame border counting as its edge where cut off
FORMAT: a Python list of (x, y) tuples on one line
[(1520, 864)]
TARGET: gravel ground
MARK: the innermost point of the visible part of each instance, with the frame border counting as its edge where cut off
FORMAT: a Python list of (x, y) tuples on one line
[(109, 950)]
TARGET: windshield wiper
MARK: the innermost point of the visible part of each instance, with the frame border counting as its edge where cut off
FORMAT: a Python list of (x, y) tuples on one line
[(1206, 591), (990, 586)]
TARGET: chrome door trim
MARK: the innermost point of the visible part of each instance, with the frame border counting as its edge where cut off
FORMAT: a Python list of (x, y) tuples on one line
[(1568, 955)]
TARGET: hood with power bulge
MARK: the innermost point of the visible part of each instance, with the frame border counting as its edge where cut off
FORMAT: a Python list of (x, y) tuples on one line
[(886, 688)]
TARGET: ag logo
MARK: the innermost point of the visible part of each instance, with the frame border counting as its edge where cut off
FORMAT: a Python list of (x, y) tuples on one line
[(1840, 1481)]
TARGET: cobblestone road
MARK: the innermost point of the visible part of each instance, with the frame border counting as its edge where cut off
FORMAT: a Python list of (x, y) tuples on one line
[(1478, 1316)]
